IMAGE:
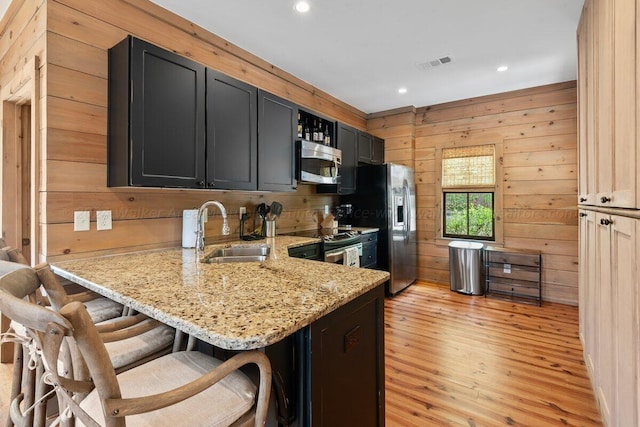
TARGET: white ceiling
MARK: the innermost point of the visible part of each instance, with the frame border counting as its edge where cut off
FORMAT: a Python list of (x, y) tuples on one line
[(362, 51)]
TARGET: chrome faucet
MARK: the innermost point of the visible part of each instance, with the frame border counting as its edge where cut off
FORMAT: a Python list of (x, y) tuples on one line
[(200, 226)]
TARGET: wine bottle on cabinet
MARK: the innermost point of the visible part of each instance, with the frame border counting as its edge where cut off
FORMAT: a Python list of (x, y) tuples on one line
[(320, 133), (307, 132), (315, 131), (327, 136), (299, 127)]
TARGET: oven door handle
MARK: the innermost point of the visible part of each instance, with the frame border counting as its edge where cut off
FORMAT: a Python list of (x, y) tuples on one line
[(338, 254), (334, 256)]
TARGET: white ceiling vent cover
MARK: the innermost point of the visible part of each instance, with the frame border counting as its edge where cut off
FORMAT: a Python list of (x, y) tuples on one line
[(434, 63)]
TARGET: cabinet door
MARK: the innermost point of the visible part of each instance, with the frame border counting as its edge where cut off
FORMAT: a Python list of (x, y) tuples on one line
[(586, 154), (347, 364), (163, 114), (605, 355), (624, 181), (588, 287), (348, 143), (232, 140), (364, 147), (277, 119), (377, 151), (604, 113), (624, 291)]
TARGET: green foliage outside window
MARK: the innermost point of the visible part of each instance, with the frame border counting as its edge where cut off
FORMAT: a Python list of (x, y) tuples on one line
[(469, 215)]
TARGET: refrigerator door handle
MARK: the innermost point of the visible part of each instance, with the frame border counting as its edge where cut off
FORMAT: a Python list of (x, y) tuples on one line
[(407, 218)]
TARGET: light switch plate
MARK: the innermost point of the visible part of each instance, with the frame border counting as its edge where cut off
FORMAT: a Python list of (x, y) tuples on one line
[(103, 220), (81, 221)]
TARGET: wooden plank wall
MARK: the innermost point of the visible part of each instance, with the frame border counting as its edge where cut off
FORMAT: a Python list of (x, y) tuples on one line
[(22, 40), (537, 127), (74, 131)]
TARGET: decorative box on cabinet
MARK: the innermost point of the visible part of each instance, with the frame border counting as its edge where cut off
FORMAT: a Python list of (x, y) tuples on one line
[(513, 273)]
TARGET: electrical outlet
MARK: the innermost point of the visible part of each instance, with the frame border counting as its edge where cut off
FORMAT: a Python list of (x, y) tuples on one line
[(103, 220), (81, 221), (241, 211)]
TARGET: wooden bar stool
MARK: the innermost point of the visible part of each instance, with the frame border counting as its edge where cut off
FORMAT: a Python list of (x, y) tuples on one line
[(183, 388)]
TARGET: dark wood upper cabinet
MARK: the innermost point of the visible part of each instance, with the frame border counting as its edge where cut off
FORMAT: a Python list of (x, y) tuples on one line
[(347, 141), (156, 130), (364, 147), (377, 151), (173, 123), (277, 120), (370, 149), (232, 137)]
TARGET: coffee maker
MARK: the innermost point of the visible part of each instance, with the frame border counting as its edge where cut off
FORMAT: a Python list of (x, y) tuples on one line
[(343, 214)]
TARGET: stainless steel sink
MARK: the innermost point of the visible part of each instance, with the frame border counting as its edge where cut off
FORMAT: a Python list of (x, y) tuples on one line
[(253, 253)]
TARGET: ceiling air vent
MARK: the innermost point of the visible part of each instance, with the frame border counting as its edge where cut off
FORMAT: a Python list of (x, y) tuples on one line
[(434, 63)]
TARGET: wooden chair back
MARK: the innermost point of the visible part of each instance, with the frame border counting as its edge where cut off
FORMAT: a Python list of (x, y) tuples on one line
[(48, 328)]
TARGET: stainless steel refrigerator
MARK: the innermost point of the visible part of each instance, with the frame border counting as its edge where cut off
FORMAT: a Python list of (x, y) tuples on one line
[(386, 199)]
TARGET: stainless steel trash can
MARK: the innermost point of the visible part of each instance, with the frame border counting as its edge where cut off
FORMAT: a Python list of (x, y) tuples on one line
[(465, 267)]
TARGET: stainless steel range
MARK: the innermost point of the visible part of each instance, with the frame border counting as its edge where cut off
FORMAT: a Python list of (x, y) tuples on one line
[(334, 244)]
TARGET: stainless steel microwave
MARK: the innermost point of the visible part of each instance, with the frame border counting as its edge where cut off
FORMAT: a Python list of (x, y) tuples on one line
[(317, 163)]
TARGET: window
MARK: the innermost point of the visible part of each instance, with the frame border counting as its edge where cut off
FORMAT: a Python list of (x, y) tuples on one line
[(469, 215), (468, 186)]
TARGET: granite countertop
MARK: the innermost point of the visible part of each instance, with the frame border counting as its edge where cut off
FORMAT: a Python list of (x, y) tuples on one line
[(236, 306)]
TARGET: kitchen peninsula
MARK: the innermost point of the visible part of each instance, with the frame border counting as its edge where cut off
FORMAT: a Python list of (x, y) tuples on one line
[(334, 314)]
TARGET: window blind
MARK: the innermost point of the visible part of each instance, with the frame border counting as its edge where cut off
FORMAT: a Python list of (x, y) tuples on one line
[(468, 166)]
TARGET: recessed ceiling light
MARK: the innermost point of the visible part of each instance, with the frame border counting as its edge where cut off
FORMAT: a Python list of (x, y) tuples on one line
[(502, 68), (302, 7), (402, 90)]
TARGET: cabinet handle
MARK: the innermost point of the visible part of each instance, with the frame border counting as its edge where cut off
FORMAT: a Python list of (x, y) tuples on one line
[(582, 214), (583, 199), (201, 183), (605, 199), (605, 221)]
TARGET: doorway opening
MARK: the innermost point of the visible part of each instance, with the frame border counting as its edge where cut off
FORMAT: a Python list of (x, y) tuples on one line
[(16, 177)]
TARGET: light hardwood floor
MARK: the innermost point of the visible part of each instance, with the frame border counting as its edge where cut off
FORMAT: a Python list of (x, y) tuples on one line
[(456, 360)]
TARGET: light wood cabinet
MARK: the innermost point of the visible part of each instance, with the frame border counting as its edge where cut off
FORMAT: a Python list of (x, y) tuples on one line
[(609, 307), (607, 92), (609, 134), (588, 287), (604, 360), (624, 297)]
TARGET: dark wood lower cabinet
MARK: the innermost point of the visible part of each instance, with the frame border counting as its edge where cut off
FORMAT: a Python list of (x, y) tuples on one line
[(346, 365), (331, 373)]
